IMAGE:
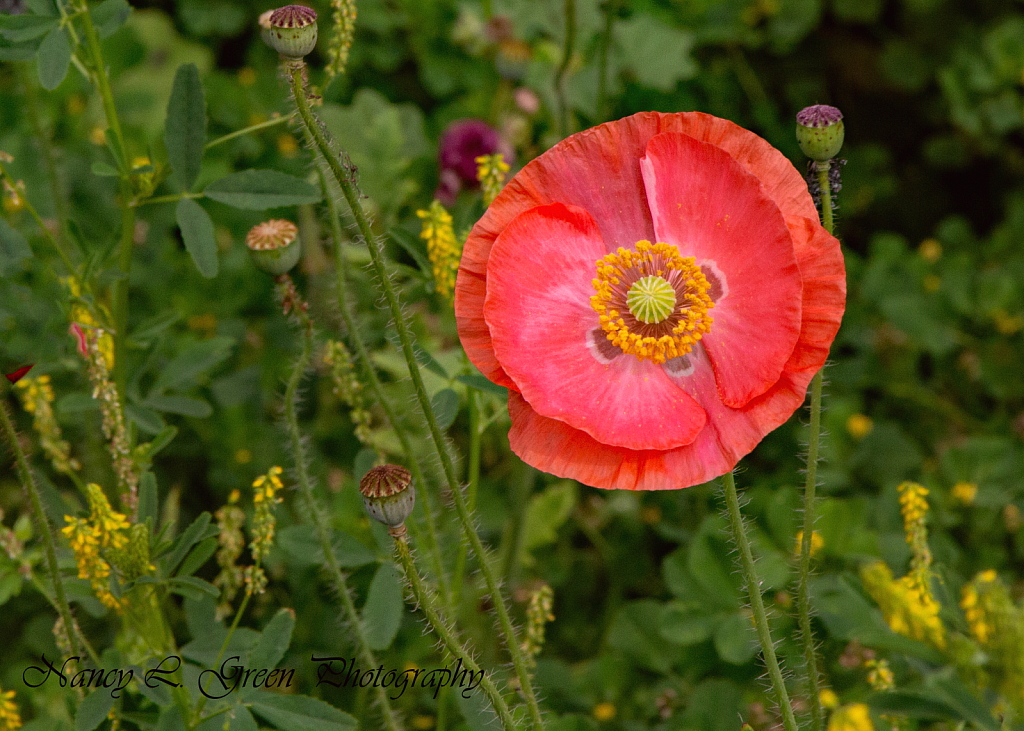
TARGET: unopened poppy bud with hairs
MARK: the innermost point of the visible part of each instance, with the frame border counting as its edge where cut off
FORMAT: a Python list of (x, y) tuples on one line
[(820, 131), (388, 494)]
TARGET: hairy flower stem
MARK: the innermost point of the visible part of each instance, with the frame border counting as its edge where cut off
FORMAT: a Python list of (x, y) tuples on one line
[(319, 523), (363, 354), (428, 604), (810, 487), (42, 524), (753, 583), (472, 480), (342, 176)]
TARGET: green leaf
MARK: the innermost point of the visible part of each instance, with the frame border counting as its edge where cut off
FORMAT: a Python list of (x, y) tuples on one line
[(274, 641), (146, 419), (445, 406), (301, 545), (301, 713), (109, 16), (382, 613), (198, 556), (714, 705), (170, 718), (261, 189), (544, 516), (14, 250), (197, 233), (183, 405), (153, 326), (185, 126), (162, 439), (192, 588), (148, 498), (686, 626), (54, 58), (19, 28), (634, 631), (480, 383), (104, 170), (658, 55), (18, 51), (413, 245), (734, 639), (93, 710), (192, 535), (707, 562), (425, 359), (191, 362)]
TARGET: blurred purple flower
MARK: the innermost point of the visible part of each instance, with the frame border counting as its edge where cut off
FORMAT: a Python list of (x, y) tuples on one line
[(461, 144), (12, 7)]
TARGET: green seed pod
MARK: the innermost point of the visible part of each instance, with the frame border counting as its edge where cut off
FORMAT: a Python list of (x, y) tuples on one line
[(274, 245), (388, 494), (820, 132), (292, 31)]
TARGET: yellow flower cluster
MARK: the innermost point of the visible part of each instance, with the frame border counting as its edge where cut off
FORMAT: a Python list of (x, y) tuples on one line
[(908, 610), (343, 30), (998, 626), (442, 248), (491, 171), (880, 677), (81, 314), (915, 509), (828, 698), (964, 492), (36, 398), (538, 614), (90, 537), (348, 387), (230, 520), (852, 717), (263, 521), (817, 542), (10, 719)]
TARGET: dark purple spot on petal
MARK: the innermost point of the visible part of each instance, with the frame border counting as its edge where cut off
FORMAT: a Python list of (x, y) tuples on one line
[(603, 347), (679, 366), (715, 291)]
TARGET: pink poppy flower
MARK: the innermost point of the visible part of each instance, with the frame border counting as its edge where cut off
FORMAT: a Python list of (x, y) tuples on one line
[(639, 365)]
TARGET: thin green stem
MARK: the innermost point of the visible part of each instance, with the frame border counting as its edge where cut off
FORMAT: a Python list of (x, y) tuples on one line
[(103, 84), (64, 256), (319, 523), (428, 604), (251, 128), (170, 198), (810, 487), (757, 604), (343, 177), (363, 354), (610, 8), (42, 523), (35, 120), (567, 50)]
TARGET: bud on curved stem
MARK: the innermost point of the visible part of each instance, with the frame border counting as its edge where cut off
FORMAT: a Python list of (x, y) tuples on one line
[(389, 496), (292, 31)]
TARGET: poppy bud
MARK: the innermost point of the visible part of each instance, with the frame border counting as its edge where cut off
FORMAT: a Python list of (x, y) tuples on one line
[(292, 31), (274, 245), (820, 131), (388, 494)]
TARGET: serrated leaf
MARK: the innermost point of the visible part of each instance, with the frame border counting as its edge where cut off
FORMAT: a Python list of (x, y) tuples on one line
[(734, 639), (93, 710), (687, 626), (301, 713), (197, 233), (192, 535), (198, 556), (185, 126), (104, 170), (658, 55), (445, 405), (182, 405), (382, 613), (109, 16), (191, 362), (18, 28), (274, 641), (54, 57), (261, 189), (192, 588), (14, 250), (481, 383)]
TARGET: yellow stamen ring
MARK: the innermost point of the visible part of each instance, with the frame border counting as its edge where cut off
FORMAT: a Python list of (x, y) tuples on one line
[(653, 302)]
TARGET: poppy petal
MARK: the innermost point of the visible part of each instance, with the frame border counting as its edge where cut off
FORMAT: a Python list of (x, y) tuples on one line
[(707, 205), (18, 374), (599, 170), (538, 308)]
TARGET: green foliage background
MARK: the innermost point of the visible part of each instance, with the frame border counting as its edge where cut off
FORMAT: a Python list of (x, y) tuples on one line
[(648, 609)]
